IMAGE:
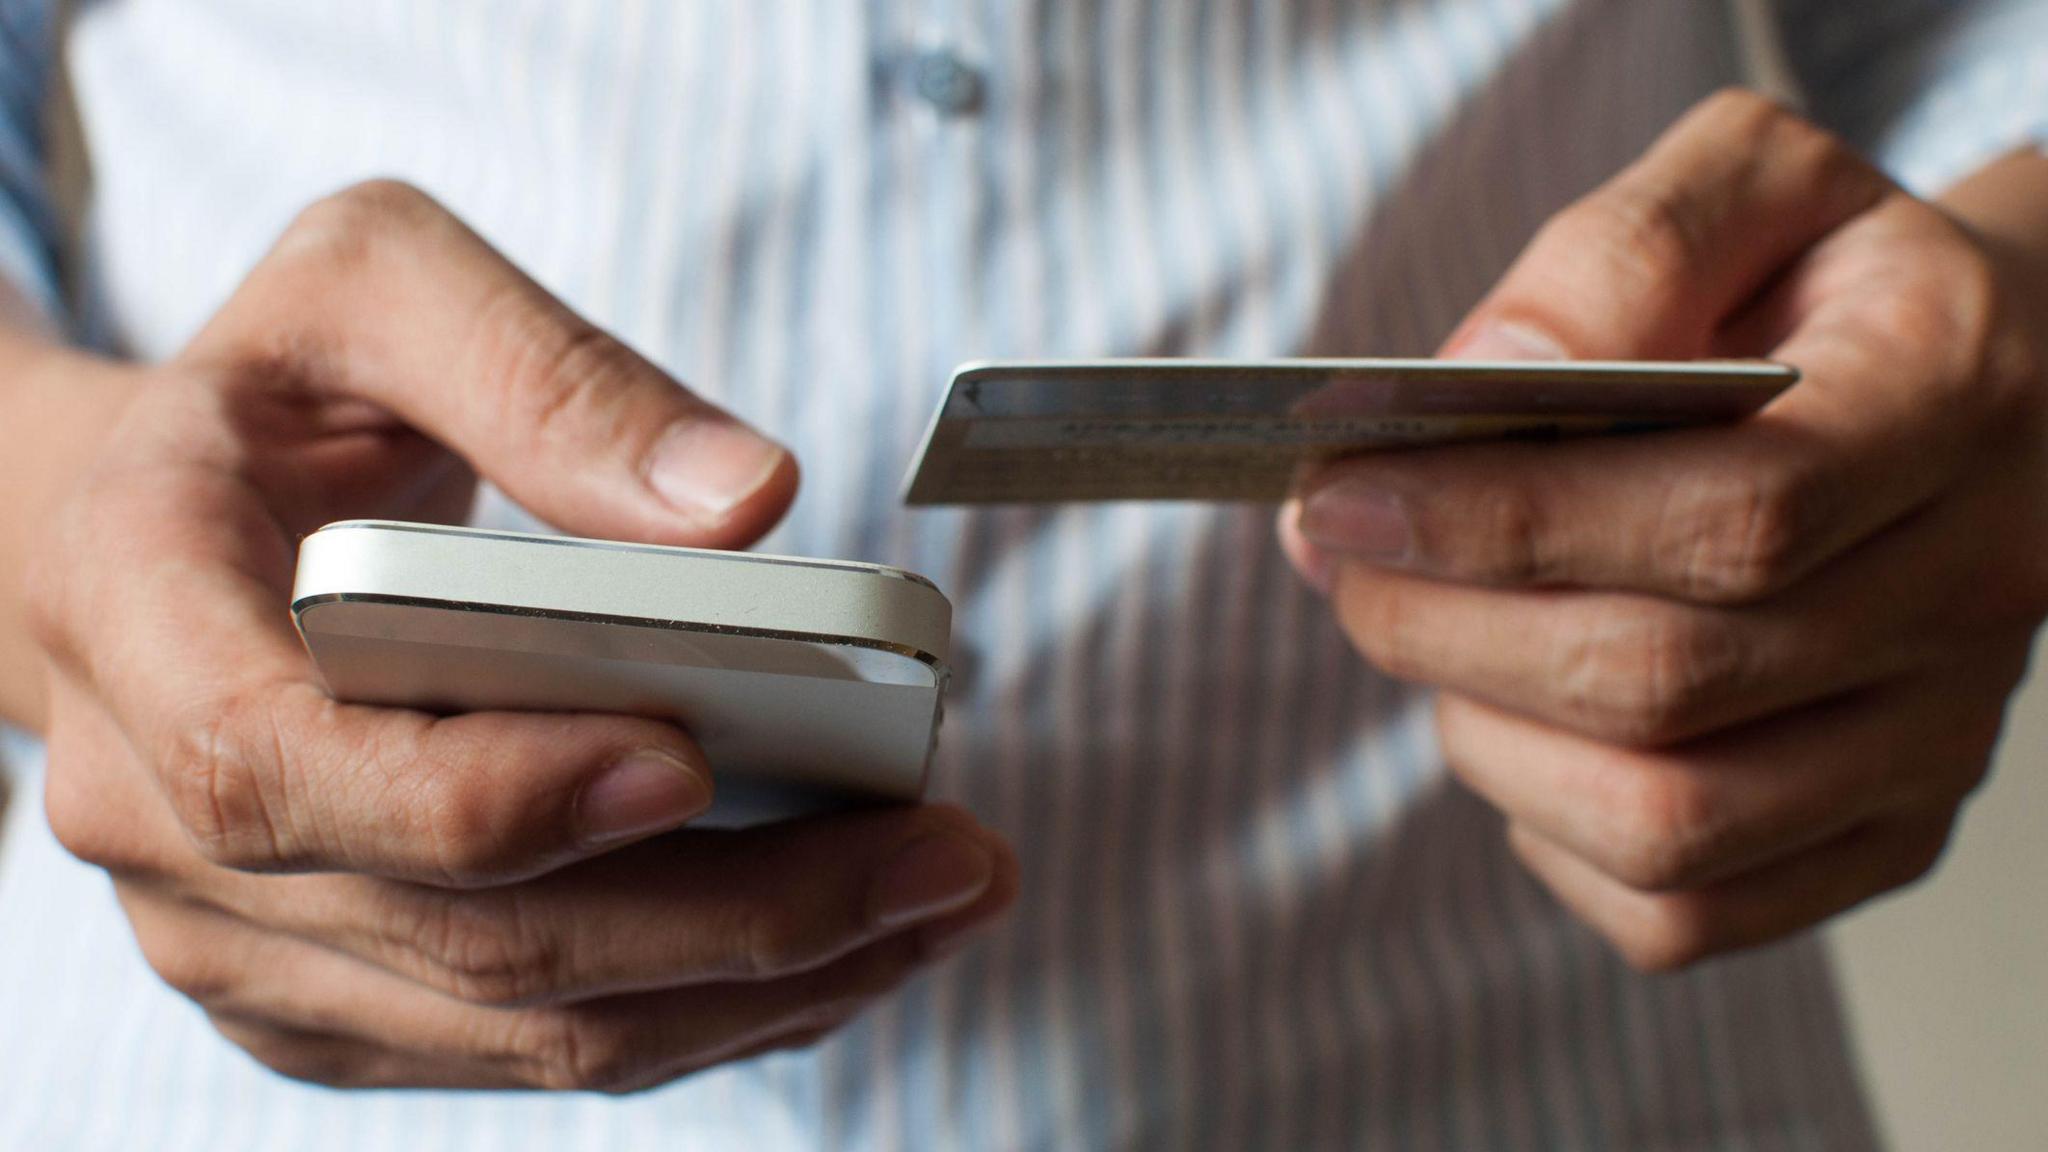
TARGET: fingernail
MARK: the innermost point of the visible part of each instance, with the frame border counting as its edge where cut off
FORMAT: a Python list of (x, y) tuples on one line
[(705, 468), (644, 793), (928, 877), (1507, 340), (1311, 562), (1353, 518)]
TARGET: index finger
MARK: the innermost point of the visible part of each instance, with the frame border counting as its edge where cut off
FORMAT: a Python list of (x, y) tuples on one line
[(1884, 316)]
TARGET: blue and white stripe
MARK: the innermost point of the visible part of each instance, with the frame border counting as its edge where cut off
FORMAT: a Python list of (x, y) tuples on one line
[(28, 257), (1256, 912)]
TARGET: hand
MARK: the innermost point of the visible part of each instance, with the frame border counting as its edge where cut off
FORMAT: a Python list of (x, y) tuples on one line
[(374, 896), (1725, 683)]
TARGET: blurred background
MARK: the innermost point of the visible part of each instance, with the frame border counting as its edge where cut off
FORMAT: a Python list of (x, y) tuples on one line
[(1947, 983)]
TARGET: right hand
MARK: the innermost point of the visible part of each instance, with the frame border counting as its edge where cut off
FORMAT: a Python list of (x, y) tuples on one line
[(373, 896)]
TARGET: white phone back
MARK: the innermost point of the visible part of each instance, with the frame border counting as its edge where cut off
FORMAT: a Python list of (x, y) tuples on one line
[(805, 681)]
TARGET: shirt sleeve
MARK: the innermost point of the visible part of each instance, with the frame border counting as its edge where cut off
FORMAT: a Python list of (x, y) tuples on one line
[(28, 222), (1931, 89)]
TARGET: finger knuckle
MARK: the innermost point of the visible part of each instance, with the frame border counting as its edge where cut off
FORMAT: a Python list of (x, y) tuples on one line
[(1827, 169), (193, 971), (1644, 238), (579, 1050), (1921, 855), (549, 369), (775, 940), (468, 840), (1972, 284), (1665, 829), (1512, 543), (1744, 113), (77, 813), (1650, 677), (385, 202), (297, 1057), (1946, 302), (43, 600), (317, 1066), (1749, 534), (1763, 130), (350, 229), (1998, 363), (1689, 664), (1671, 933), (2015, 374), (863, 976), (1908, 318), (1380, 630), (211, 776), (482, 951), (71, 818)]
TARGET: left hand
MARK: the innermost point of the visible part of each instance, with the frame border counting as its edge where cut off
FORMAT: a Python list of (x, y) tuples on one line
[(1726, 683)]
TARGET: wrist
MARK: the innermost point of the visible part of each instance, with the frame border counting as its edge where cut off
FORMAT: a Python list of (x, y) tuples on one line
[(57, 406)]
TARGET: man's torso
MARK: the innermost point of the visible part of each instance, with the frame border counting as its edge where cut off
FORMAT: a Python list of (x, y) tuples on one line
[(1256, 912)]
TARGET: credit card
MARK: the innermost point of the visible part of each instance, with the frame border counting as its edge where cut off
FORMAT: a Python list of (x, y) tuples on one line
[(1040, 432)]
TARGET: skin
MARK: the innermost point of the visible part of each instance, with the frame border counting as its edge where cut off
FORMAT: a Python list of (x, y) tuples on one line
[(369, 896), (1725, 684)]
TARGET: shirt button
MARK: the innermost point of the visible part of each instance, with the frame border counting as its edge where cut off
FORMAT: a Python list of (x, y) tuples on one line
[(946, 82)]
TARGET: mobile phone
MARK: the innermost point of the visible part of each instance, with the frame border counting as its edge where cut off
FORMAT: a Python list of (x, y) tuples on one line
[(809, 683)]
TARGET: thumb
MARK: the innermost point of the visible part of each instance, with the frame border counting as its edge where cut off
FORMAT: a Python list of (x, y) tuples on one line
[(380, 293), (1651, 265)]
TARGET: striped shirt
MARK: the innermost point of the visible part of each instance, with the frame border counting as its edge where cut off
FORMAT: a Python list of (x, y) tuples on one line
[(1256, 913)]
